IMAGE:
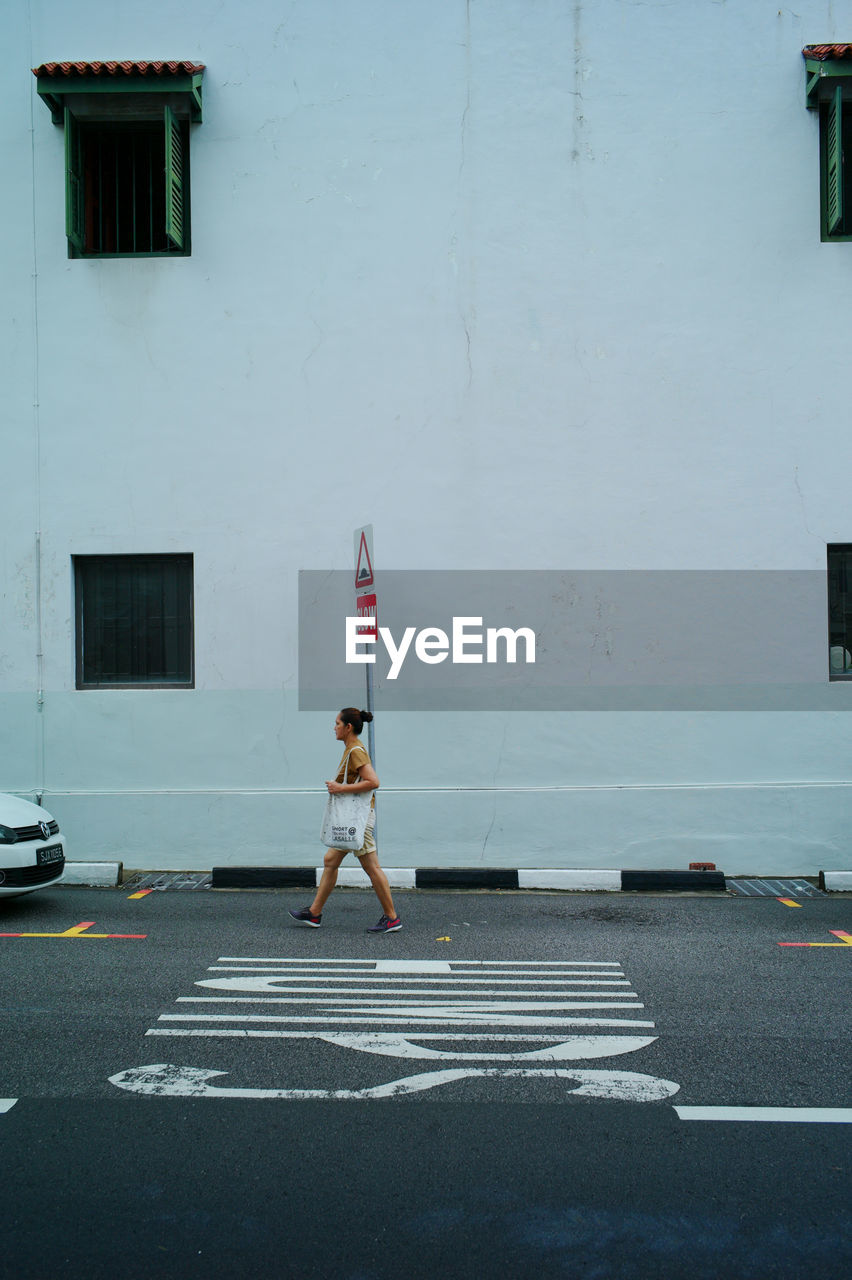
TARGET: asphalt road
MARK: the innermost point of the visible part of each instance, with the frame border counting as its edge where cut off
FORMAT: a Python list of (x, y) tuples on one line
[(505, 1099)]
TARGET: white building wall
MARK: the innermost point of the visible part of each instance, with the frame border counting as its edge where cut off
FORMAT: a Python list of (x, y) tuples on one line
[(527, 284)]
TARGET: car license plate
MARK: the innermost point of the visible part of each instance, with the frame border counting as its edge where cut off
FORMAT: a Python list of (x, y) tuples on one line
[(53, 853)]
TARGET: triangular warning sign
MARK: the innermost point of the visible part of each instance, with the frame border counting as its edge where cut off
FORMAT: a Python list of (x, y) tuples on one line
[(364, 567)]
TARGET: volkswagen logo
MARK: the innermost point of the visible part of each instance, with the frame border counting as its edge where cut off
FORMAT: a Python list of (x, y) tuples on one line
[(44, 829)]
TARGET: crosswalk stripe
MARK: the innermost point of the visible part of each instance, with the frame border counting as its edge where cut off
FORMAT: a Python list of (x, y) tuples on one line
[(401, 1017), (416, 1000), (461, 1005), (571, 979), (614, 1022), (380, 993), (424, 965)]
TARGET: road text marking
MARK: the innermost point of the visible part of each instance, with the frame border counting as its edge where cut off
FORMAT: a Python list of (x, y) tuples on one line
[(464, 1017), (163, 1079), (6, 1104)]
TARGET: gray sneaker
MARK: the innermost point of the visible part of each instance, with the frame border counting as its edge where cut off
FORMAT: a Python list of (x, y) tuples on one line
[(304, 917), (385, 925)]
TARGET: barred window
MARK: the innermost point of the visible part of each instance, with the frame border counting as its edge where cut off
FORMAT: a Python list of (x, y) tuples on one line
[(126, 187), (127, 128), (134, 621)]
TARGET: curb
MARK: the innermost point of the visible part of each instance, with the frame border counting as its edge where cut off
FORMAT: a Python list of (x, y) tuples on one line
[(93, 875), (471, 878), (673, 880), (835, 881), (110, 874)]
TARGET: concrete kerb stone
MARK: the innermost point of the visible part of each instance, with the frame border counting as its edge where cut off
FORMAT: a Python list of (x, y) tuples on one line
[(835, 881), (93, 875), (572, 881)]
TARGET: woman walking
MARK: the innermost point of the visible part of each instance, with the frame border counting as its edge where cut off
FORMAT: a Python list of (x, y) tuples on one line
[(354, 763)]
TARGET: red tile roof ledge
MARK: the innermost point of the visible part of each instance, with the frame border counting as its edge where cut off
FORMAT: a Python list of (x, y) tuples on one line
[(56, 69), (827, 52)]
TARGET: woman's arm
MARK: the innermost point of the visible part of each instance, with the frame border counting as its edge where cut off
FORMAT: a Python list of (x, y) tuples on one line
[(367, 781)]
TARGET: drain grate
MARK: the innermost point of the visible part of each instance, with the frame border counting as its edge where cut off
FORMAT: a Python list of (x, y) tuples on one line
[(168, 880), (774, 889)]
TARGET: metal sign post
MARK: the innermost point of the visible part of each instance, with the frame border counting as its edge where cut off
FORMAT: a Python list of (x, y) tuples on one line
[(366, 607)]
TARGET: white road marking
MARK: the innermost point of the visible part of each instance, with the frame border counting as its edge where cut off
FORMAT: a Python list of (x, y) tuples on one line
[(439, 1017), (6, 1104), (519, 1015), (440, 993), (276, 1000), (166, 1080), (395, 1046), (461, 999), (420, 966), (772, 1115), (572, 978)]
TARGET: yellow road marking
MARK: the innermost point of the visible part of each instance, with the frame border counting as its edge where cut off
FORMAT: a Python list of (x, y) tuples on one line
[(845, 941), (76, 931), (788, 902)]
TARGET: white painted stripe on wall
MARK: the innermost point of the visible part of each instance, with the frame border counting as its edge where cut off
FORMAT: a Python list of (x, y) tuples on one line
[(6, 1104), (577, 881), (770, 1115)]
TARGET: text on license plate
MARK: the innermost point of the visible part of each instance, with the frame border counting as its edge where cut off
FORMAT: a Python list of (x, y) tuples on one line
[(53, 853)]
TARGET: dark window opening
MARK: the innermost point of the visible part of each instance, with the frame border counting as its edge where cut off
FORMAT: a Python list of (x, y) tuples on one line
[(127, 188), (134, 618), (124, 189), (840, 612)]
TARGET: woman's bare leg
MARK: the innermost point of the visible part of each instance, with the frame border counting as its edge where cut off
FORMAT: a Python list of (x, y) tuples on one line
[(330, 867), (379, 881)]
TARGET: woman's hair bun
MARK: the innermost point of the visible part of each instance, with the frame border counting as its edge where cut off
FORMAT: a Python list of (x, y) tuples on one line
[(366, 716)]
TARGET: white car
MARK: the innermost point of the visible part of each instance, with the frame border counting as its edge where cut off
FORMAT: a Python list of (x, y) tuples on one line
[(32, 852)]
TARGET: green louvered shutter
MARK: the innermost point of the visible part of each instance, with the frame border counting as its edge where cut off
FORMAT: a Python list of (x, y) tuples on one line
[(74, 223), (174, 179), (834, 164)]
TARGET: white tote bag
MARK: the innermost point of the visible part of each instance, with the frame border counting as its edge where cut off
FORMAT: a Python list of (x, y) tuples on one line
[(346, 816)]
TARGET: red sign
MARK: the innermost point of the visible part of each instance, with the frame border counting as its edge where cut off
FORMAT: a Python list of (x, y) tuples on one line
[(365, 607)]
